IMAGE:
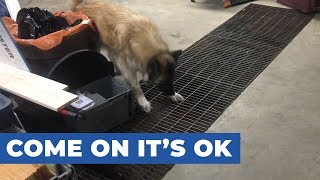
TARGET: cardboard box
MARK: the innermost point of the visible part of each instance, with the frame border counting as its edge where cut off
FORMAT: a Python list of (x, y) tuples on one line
[(25, 172)]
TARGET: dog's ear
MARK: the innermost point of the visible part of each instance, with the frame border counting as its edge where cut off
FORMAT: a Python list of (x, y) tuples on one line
[(176, 54)]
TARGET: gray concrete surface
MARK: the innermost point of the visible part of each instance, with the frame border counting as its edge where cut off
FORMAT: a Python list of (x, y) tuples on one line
[(278, 115)]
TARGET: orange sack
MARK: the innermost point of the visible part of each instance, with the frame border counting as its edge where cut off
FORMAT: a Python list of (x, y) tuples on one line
[(52, 40)]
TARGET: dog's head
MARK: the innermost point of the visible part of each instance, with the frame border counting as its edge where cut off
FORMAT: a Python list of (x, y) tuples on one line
[(162, 67), (161, 70)]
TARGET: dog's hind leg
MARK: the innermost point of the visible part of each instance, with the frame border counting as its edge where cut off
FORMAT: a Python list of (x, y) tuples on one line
[(111, 56)]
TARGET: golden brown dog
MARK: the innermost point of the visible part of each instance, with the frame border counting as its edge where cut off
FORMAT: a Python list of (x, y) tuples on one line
[(135, 47)]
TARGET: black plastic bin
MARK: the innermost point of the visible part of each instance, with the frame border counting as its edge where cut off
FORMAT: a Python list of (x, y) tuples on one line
[(111, 108), (113, 99), (9, 121)]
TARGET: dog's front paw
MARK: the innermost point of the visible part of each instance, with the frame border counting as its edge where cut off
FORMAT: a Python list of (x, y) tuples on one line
[(144, 104), (176, 98)]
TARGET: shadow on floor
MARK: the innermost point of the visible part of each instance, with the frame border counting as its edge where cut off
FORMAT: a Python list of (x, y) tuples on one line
[(208, 4), (215, 4)]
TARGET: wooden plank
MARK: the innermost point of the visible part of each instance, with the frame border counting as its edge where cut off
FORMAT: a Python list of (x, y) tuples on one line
[(37, 89), (24, 171), (51, 99), (8, 72)]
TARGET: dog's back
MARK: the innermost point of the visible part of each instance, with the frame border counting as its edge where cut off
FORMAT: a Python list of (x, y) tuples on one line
[(123, 30)]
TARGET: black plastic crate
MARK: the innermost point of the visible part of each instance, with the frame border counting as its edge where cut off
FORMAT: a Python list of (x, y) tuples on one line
[(67, 172), (112, 106), (91, 74)]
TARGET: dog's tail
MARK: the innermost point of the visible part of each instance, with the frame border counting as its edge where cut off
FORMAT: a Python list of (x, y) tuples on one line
[(74, 3)]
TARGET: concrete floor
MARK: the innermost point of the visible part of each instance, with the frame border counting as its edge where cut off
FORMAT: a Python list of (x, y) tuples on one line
[(278, 115)]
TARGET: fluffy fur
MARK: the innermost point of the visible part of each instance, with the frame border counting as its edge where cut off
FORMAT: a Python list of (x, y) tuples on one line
[(134, 45)]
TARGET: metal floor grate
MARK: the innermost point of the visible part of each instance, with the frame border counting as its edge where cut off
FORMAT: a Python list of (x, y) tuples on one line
[(88, 174), (212, 73)]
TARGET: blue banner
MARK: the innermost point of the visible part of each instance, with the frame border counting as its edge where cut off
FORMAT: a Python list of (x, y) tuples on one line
[(127, 148)]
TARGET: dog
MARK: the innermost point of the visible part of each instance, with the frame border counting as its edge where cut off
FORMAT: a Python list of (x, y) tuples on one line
[(135, 46)]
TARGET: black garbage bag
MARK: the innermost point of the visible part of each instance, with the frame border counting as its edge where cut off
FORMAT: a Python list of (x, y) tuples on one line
[(34, 23), (28, 28)]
